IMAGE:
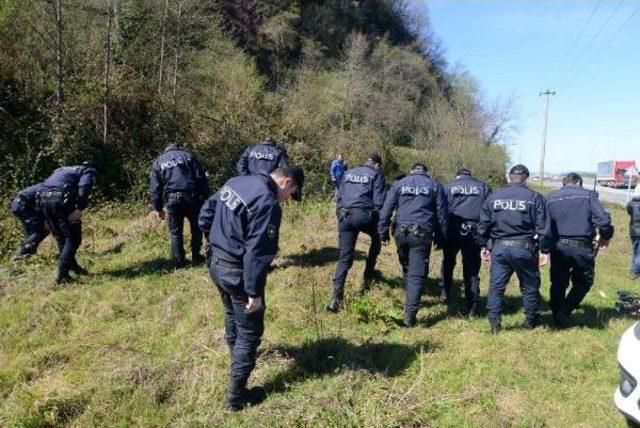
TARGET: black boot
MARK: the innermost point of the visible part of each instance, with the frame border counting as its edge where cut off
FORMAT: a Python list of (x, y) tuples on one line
[(495, 327), (239, 398), (22, 253), (560, 319), (79, 270), (471, 312), (335, 305), (444, 296), (409, 321), (531, 323), (64, 278), (198, 259)]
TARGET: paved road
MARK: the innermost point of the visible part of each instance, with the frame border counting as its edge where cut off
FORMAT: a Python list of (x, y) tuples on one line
[(617, 196)]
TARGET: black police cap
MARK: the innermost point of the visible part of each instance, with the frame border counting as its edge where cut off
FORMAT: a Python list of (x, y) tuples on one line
[(463, 171), (375, 157), (519, 170)]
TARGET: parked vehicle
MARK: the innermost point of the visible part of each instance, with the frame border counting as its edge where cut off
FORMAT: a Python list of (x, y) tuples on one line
[(627, 395), (613, 173)]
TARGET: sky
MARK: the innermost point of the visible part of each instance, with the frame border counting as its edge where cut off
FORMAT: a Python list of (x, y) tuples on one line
[(519, 48)]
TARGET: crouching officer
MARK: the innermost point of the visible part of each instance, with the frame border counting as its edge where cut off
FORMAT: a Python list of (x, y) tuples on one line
[(242, 221), (515, 218), (179, 183), (465, 196), (62, 200), (360, 197), (422, 218), (24, 207), (263, 157), (576, 218)]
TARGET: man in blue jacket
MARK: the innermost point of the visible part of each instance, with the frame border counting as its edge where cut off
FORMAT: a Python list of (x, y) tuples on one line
[(360, 199), (242, 222), (577, 216), (337, 170), (179, 183), (23, 206), (263, 157), (62, 200), (422, 219)]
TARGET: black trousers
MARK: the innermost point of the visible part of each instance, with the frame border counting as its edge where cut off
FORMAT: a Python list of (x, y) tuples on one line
[(180, 208), (68, 234), (470, 267), (570, 264), (413, 253), (33, 224), (243, 331), (349, 226)]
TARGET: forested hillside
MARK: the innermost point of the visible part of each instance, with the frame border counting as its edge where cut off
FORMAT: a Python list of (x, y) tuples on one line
[(118, 79)]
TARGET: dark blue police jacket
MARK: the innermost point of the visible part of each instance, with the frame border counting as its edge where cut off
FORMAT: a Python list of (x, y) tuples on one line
[(515, 212), (577, 213), (28, 195), (177, 170), (263, 157), (465, 197), (420, 200), (77, 181), (242, 221), (362, 187)]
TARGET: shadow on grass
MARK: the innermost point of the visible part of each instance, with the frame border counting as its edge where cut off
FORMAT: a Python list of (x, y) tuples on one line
[(332, 356), (147, 267), (316, 257)]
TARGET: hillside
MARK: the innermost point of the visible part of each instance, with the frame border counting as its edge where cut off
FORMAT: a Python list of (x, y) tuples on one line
[(140, 344)]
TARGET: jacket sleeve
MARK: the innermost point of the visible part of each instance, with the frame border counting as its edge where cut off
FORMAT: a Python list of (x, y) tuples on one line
[(379, 191), (543, 224), (600, 218), (201, 178), (261, 246), (629, 210), (442, 205), (484, 225), (243, 163), (207, 212), (85, 184), (156, 188), (390, 204)]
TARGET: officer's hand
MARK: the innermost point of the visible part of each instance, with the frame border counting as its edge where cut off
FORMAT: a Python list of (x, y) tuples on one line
[(255, 304), (603, 244), (543, 259), (485, 255), (75, 216), (160, 215)]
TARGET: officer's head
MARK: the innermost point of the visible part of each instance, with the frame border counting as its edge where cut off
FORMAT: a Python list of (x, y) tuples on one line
[(518, 174), (269, 140), (375, 160), (462, 171), (339, 157), (419, 167), (572, 179), (91, 163), (289, 179), (174, 145)]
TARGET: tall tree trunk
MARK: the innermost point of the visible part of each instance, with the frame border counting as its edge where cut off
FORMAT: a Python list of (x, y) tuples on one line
[(59, 70), (107, 73), (174, 108), (162, 40)]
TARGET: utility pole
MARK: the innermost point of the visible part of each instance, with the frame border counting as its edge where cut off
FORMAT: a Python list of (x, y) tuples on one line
[(544, 133)]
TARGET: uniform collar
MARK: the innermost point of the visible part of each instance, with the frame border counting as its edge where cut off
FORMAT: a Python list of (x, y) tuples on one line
[(269, 143), (368, 165), (269, 182), (419, 173), (517, 185), (465, 176)]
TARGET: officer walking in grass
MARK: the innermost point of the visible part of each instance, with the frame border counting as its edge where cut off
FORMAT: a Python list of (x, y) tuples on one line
[(263, 157), (61, 200), (23, 207), (514, 228), (422, 219), (633, 209), (465, 197), (360, 198), (179, 184), (242, 222), (577, 216)]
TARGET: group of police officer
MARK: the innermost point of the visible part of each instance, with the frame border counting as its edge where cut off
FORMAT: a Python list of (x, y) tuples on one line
[(515, 227)]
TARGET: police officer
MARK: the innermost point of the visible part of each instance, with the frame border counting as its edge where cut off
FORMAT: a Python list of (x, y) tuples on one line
[(265, 157), (360, 198), (242, 221), (516, 220), (633, 209), (179, 183), (465, 196), (576, 218), (62, 200), (422, 218), (23, 206)]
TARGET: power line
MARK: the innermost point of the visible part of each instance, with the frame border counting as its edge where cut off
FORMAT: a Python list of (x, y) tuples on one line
[(575, 42), (593, 39), (607, 43)]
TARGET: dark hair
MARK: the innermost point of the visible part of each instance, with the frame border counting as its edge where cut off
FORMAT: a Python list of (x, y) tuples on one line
[(572, 178), (294, 172), (419, 167)]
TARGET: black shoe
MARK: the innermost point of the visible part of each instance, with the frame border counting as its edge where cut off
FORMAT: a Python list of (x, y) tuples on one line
[(560, 320), (495, 327), (180, 264), (409, 321), (444, 296), (247, 397), (198, 259), (372, 275), (471, 313), (531, 323), (79, 270), (64, 279), (335, 306), (632, 276)]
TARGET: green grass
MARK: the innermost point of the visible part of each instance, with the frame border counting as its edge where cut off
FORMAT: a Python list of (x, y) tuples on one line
[(140, 344)]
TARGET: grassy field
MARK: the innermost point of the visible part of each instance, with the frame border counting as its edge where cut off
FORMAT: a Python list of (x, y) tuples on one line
[(139, 344)]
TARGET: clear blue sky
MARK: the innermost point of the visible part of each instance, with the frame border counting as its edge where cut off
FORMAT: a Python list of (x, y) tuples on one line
[(513, 49)]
